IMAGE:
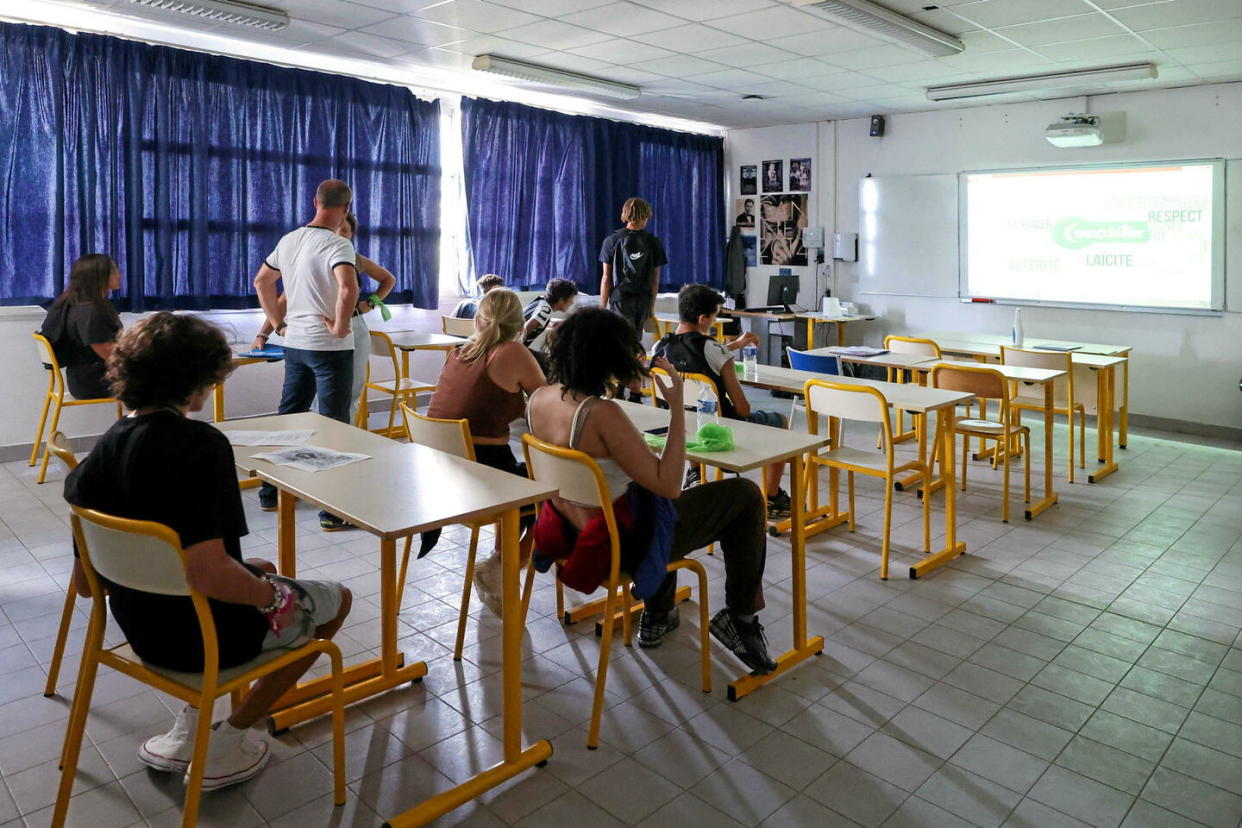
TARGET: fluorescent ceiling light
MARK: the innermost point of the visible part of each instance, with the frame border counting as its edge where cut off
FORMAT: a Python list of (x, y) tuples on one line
[(874, 19), (546, 76), (1053, 80), (225, 11)]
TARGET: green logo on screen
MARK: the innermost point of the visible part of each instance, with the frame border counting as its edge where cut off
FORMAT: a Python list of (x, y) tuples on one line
[(1077, 233)]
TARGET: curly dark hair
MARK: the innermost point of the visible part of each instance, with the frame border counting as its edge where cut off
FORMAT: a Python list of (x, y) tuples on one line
[(560, 289), (694, 301), (165, 358), (594, 351)]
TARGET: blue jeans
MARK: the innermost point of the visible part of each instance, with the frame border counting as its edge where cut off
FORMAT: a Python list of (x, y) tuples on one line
[(328, 375)]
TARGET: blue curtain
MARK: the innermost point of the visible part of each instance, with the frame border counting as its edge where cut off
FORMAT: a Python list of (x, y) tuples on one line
[(187, 168), (544, 189)]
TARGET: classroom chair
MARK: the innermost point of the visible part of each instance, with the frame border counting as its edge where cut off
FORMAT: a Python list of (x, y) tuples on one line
[(840, 402), (918, 347), (1063, 399), (819, 363), (55, 400), (58, 444), (987, 383), (578, 478), (694, 385), (453, 437), (454, 326), (147, 556), (399, 388)]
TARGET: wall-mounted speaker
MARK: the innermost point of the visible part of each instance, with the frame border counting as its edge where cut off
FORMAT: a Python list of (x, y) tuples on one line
[(877, 126)]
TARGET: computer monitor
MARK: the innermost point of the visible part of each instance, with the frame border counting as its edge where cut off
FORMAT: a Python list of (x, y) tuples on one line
[(782, 290)]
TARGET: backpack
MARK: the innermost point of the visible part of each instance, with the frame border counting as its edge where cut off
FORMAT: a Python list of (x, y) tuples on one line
[(631, 265), (685, 352)]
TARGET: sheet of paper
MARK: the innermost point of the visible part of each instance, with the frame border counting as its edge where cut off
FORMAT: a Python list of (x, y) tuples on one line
[(857, 350), (293, 437), (311, 458)]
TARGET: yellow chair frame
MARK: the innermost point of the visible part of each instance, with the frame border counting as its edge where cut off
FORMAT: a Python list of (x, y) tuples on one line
[(58, 444), (987, 383), (854, 461), (909, 345), (1060, 362), (570, 470), (55, 396), (197, 689), (401, 388)]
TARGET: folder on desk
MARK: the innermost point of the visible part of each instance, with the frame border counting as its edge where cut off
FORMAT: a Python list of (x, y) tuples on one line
[(269, 352), (1058, 347)]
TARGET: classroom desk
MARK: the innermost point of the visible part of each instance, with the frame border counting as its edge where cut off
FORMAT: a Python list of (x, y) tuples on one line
[(666, 322), (409, 341), (902, 362), (967, 343), (402, 490), (813, 318), (914, 398), (755, 447), (217, 391)]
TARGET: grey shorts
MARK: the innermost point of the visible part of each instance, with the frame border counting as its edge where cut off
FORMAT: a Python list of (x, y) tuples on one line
[(318, 603)]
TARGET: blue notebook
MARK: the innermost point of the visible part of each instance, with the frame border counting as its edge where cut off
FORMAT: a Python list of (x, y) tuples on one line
[(270, 352)]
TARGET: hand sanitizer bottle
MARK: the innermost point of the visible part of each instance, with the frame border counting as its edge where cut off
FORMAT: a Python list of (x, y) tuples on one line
[(750, 360), (1017, 328)]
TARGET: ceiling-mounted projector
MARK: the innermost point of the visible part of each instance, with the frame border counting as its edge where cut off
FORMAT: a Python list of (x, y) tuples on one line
[(1083, 130)]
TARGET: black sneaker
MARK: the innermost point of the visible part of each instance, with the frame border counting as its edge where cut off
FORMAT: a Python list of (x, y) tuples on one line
[(653, 628), (267, 500), (692, 477), (332, 523), (779, 506), (746, 641)]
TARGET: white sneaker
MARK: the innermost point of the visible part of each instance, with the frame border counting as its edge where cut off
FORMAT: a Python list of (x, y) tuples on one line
[(233, 756), (488, 583), (171, 751)]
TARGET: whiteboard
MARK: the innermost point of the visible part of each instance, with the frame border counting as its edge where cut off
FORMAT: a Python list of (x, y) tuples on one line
[(908, 235)]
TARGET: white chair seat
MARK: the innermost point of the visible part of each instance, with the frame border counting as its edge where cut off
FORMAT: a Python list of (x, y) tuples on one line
[(195, 680), (406, 384), (975, 424), (856, 457)]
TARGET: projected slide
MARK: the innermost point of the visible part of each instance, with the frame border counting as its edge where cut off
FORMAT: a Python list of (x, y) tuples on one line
[(1136, 236)]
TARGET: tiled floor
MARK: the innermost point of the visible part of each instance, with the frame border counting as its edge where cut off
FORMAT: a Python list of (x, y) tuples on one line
[(1085, 668)]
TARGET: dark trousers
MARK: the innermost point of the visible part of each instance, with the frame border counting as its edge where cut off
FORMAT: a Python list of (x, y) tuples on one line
[(634, 307), (731, 513), (328, 375)]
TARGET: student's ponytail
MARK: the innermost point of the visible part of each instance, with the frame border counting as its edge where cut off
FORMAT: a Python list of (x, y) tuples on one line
[(498, 320)]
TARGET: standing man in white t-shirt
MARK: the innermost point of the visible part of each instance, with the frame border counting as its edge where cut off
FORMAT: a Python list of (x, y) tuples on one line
[(320, 277)]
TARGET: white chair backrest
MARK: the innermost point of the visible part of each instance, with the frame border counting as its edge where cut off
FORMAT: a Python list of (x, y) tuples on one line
[(1041, 359), (46, 356), (904, 346), (381, 345), (693, 387), (848, 405), (134, 560), (573, 477), (454, 326), (443, 435)]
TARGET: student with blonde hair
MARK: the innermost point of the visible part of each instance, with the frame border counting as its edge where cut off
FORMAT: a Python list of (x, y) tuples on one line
[(485, 381)]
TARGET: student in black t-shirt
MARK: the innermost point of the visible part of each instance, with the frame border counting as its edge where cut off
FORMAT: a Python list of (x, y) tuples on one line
[(558, 297), (632, 259), (81, 325), (158, 465)]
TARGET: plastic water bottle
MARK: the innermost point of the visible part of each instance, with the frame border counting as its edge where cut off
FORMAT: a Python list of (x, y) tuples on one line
[(706, 408), (750, 360), (1017, 328)]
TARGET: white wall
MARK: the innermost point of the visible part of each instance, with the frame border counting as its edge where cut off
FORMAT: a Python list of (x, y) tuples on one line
[(1184, 367)]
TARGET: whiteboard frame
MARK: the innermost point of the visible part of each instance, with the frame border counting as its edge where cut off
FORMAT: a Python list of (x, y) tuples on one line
[(1219, 184)]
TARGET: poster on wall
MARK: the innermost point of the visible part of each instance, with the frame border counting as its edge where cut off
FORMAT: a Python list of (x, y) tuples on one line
[(750, 176), (745, 213), (783, 218), (772, 171), (750, 246), (800, 175)]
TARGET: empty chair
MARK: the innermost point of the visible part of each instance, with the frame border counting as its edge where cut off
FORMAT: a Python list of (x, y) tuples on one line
[(400, 388), (55, 400), (840, 402), (1063, 398), (454, 326), (985, 384), (819, 363)]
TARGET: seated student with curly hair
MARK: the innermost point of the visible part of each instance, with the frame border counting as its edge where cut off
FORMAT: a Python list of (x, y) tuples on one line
[(159, 465), (595, 353)]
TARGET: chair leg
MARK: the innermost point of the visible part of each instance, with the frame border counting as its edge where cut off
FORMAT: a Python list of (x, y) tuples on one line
[(338, 726), (1082, 438), (392, 416), (198, 762), (38, 440), (560, 599), (627, 617), (849, 488), (527, 587), (77, 727), (705, 650), (62, 635), (1005, 441), (465, 594), (888, 522), (927, 495), (47, 453), (601, 672), (1026, 439), (966, 456)]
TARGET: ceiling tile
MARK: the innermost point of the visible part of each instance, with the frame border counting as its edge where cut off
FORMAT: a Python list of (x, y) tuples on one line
[(297, 33), (995, 64), (797, 69), (335, 12), (924, 70), (994, 13), (553, 34), (628, 74), (572, 63), (777, 88), (367, 45), (552, 8), (622, 19), (1098, 48), (980, 42), (680, 66), (1224, 70), (1183, 12), (766, 24), (419, 32), (875, 56), (704, 9), (815, 98), (1108, 5), (476, 15), (1206, 53), (1061, 30), (749, 54), (622, 51), (692, 37), (1198, 34), (436, 58), (728, 78), (842, 80), (817, 44), (491, 45)]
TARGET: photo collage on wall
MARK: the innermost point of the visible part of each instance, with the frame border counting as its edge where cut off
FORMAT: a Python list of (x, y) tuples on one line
[(779, 215)]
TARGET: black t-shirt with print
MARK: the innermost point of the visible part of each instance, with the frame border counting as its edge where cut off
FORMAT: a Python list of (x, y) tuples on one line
[(179, 472)]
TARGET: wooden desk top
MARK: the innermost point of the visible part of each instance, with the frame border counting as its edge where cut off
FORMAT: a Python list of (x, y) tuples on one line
[(403, 489), (755, 445), (673, 317), (1014, 372), (988, 349), (775, 316), (966, 339), (816, 316), (908, 396), (889, 360), (416, 340)]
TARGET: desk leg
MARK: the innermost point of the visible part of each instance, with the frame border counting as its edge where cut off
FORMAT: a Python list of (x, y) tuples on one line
[(286, 532), (802, 647), (1106, 384), (516, 759), (217, 403), (952, 546), (1124, 431), (840, 334), (1050, 497)]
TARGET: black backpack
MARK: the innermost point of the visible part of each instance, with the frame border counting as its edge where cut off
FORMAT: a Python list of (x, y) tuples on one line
[(685, 352), (631, 265)]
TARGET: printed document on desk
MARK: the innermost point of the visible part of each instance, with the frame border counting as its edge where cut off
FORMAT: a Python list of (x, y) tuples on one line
[(296, 437), (311, 458)]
